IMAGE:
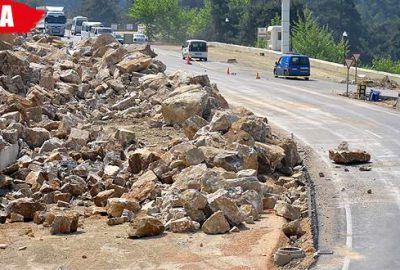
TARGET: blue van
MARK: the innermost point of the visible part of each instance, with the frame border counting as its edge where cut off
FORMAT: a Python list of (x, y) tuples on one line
[(293, 65)]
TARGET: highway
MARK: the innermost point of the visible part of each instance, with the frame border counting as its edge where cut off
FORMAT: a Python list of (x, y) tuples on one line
[(360, 228)]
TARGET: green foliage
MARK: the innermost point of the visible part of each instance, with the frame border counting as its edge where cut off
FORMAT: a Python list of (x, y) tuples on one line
[(100, 10), (276, 20), (311, 39), (261, 43), (169, 20), (386, 64)]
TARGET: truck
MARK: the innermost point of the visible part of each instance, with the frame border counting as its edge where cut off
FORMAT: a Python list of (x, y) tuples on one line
[(54, 21)]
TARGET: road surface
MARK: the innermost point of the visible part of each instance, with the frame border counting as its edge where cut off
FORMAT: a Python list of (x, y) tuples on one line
[(362, 229)]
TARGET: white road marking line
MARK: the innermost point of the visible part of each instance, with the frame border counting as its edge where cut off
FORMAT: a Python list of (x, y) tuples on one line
[(374, 134)]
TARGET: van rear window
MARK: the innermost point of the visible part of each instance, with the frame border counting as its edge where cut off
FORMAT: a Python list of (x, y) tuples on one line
[(198, 47), (300, 61)]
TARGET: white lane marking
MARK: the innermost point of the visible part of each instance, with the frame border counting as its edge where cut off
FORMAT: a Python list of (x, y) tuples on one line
[(374, 134)]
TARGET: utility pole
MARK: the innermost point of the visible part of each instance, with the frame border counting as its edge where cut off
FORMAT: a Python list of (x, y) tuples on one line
[(285, 26)]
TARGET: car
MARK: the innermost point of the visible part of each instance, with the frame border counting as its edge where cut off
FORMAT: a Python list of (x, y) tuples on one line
[(120, 38), (195, 49), (99, 31), (293, 65), (139, 38)]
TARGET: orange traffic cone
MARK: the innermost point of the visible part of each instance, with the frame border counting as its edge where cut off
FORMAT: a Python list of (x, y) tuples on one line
[(188, 60), (228, 72), (258, 76)]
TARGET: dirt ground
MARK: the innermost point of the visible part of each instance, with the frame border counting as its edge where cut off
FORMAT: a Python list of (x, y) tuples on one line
[(99, 246)]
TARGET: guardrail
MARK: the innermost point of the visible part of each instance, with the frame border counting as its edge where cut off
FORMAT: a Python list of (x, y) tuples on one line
[(322, 63)]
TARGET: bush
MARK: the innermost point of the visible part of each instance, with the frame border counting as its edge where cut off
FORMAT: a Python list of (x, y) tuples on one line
[(386, 64)]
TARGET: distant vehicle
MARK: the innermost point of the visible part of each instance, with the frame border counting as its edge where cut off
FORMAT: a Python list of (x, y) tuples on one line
[(41, 26), (98, 31), (140, 38), (87, 28), (293, 65), (195, 49), (77, 24), (120, 38), (55, 23)]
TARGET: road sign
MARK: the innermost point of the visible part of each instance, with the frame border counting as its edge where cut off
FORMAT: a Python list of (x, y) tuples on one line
[(262, 32), (356, 56), (349, 63)]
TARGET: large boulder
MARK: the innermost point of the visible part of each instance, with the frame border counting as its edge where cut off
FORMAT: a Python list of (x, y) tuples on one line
[(182, 225), (113, 57), (141, 159), (145, 187), (269, 157), (35, 137), (216, 224), (135, 62), (116, 206), (145, 226), (220, 201), (344, 155), (184, 103), (62, 222), (192, 125), (257, 127), (70, 76), (287, 211), (25, 207), (12, 64)]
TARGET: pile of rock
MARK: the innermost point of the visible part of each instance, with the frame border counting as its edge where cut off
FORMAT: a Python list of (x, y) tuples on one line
[(344, 155), (54, 104)]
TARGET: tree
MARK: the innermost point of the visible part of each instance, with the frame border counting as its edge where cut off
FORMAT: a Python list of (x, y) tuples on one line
[(103, 11), (169, 20), (340, 16), (310, 38)]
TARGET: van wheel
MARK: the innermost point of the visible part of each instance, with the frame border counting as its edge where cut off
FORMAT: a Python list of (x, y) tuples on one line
[(307, 78), (205, 59), (275, 75)]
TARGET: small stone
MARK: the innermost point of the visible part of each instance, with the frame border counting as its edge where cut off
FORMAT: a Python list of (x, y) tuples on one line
[(321, 174), (369, 191), (145, 226), (365, 168), (22, 248), (63, 204), (3, 246), (234, 230)]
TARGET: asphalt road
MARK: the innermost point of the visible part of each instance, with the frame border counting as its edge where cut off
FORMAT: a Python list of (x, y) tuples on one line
[(362, 229)]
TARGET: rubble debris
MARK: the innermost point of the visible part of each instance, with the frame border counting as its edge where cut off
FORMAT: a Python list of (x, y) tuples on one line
[(343, 155), (83, 121)]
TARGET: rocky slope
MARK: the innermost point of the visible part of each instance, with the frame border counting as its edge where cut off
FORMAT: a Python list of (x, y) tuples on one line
[(101, 127)]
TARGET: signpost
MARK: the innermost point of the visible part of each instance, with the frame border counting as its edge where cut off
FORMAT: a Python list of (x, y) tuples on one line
[(262, 32), (356, 57), (349, 63)]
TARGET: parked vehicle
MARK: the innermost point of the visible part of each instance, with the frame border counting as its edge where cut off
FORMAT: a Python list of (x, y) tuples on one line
[(140, 38), (87, 28), (195, 49), (293, 65), (77, 24), (98, 31)]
